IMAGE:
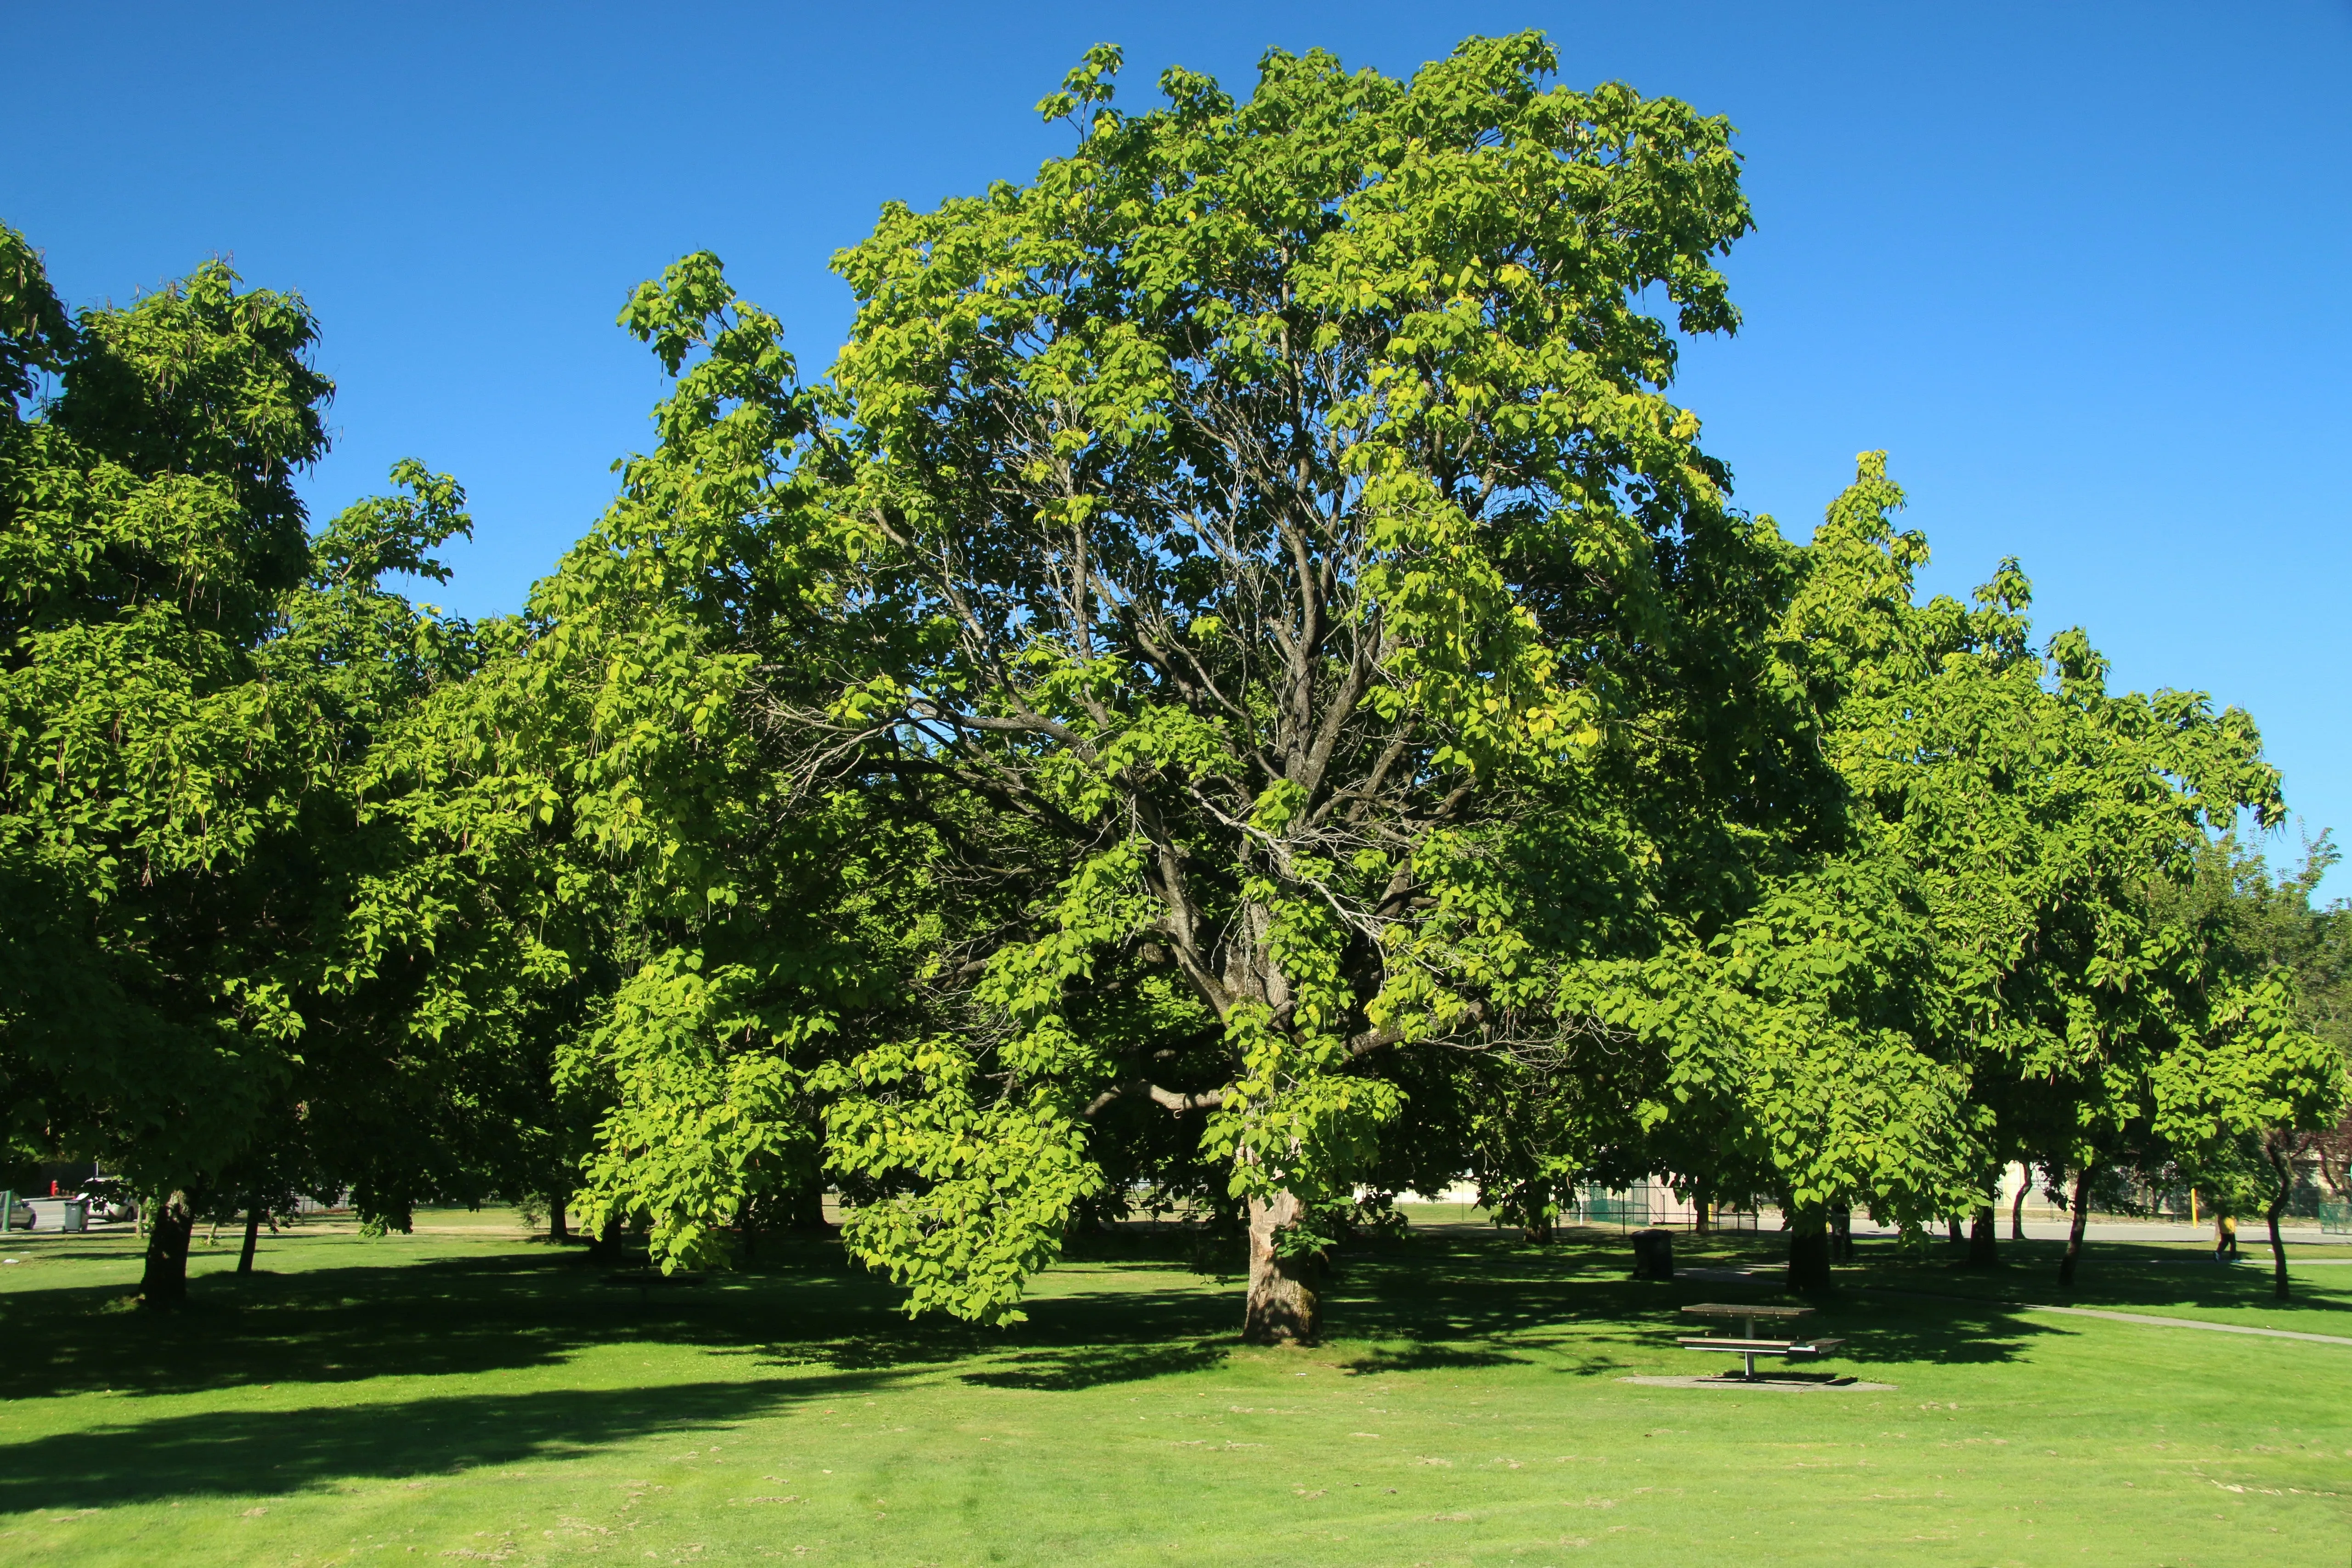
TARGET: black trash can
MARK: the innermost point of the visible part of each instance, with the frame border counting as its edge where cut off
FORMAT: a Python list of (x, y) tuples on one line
[(1654, 1255)]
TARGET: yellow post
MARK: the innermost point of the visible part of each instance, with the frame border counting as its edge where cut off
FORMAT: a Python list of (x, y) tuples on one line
[(2192, 1206)]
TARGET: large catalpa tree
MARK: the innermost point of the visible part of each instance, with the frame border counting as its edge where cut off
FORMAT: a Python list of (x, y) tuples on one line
[(1306, 545), (1257, 573)]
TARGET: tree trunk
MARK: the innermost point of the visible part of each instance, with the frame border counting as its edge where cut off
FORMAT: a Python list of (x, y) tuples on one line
[(1952, 1229), (2017, 1208), (559, 1228), (1700, 1224), (252, 1235), (1981, 1250), (2285, 1172), (164, 1285), (2082, 1216), (1283, 1307), (804, 1208), (1809, 1250)]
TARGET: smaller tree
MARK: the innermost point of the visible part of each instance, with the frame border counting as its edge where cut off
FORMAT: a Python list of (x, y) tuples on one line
[(213, 943), (154, 776), (2039, 818), (2243, 1107)]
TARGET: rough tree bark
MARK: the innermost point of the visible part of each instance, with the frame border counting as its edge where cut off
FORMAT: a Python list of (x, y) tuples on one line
[(252, 1235), (1982, 1250), (750, 1220), (1283, 1307), (2082, 1216), (804, 1209), (2286, 1174), (1809, 1250), (164, 1285), (2017, 1205)]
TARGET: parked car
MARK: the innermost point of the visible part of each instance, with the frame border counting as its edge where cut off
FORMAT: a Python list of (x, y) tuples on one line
[(109, 1200)]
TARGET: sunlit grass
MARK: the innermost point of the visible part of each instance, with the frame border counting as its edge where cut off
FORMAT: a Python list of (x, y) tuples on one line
[(465, 1394)]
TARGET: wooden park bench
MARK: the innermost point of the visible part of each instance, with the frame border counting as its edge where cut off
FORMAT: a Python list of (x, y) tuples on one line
[(1748, 1347)]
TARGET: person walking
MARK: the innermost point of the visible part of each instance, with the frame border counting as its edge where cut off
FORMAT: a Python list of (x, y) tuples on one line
[(2225, 1238)]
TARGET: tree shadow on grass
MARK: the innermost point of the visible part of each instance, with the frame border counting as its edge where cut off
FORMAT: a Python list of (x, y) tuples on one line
[(1500, 1291), (1590, 1354), (1092, 1366), (439, 1317), (1104, 1329), (1467, 1300), (1451, 1302), (1884, 1326), (816, 1331), (270, 1453), (1428, 1358), (1074, 1338), (2131, 1276), (1496, 1296), (802, 1307)]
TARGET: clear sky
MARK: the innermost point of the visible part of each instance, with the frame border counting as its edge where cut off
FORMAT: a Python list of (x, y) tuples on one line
[(2085, 270)]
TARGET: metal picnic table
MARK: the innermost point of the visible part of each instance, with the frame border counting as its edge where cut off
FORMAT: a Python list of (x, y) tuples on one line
[(1748, 1347)]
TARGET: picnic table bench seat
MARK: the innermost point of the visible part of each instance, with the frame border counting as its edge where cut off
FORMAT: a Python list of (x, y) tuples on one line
[(1746, 1345), (1795, 1349)]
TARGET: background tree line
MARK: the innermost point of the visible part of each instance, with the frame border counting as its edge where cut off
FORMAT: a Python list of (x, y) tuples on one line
[(1239, 690)]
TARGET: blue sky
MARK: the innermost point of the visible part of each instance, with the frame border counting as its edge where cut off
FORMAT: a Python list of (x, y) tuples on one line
[(2083, 269)]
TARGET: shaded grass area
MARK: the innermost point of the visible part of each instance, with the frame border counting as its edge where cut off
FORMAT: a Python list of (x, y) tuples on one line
[(466, 1393), (2170, 1278)]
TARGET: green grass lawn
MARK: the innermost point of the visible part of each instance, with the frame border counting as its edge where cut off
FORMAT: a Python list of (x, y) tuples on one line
[(465, 1394)]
